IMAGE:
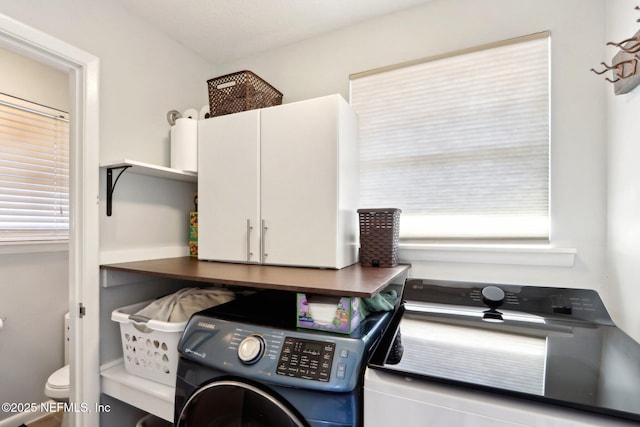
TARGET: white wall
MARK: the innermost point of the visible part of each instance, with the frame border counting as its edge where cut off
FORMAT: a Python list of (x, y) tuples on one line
[(143, 74), (322, 65), (33, 297), (623, 178)]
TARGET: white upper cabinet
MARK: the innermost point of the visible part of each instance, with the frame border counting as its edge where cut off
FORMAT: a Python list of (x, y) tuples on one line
[(280, 185)]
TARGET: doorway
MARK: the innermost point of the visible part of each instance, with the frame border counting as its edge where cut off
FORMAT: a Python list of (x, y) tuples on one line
[(83, 268)]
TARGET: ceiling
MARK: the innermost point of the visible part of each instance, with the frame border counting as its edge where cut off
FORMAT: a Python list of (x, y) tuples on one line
[(225, 30)]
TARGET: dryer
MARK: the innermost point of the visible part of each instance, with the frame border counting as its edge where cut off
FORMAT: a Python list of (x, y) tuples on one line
[(244, 363)]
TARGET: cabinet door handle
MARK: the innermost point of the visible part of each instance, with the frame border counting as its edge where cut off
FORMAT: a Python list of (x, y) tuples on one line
[(249, 229), (263, 242)]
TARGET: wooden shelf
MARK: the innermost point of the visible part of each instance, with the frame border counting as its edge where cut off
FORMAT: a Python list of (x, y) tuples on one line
[(141, 168), (355, 280)]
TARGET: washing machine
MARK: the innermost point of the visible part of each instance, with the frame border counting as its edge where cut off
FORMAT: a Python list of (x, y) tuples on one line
[(245, 363), (496, 355)]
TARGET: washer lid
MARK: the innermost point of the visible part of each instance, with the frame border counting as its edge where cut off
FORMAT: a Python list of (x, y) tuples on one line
[(59, 379)]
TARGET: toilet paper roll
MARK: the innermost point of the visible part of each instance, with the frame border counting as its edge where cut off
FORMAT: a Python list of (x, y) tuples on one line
[(184, 145), (204, 112), (191, 113)]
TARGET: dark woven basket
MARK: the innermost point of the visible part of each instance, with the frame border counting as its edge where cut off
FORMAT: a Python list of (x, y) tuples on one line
[(379, 234), (240, 91)]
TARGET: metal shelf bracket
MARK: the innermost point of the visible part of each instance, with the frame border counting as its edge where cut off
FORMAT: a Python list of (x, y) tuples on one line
[(111, 185)]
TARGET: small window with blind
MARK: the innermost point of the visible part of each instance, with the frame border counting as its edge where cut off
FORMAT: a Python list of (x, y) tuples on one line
[(34, 172), (460, 142)]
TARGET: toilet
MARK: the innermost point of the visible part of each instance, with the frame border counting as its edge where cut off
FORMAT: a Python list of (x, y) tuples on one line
[(57, 387)]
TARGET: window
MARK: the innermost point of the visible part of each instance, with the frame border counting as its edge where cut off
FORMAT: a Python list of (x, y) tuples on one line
[(460, 143), (34, 172)]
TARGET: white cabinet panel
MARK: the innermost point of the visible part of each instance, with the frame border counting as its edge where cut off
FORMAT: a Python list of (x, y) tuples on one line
[(229, 187)]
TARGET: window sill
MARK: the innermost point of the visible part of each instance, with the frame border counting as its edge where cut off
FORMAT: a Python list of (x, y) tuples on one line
[(8, 248), (505, 254)]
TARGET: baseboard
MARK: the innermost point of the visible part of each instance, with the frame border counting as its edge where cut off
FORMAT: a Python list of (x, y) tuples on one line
[(24, 418), (21, 418)]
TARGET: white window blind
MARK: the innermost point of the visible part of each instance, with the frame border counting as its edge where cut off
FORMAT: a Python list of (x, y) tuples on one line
[(34, 172), (460, 143)]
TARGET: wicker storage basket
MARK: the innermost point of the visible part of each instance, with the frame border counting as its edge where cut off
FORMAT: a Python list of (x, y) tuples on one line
[(379, 232), (240, 91)]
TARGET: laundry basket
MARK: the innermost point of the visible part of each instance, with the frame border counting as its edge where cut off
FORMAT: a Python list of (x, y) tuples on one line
[(150, 348)]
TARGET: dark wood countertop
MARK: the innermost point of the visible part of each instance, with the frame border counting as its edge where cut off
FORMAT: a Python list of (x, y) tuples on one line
[(355, 280)]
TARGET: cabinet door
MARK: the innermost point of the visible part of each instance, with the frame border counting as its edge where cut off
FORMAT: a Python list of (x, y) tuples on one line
[(229, 187), (300, 183)]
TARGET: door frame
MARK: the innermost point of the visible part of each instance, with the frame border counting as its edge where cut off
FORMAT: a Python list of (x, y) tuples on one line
[(84, 290)]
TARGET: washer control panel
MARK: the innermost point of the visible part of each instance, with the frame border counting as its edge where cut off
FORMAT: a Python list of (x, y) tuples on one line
[(572, 304), (308, 359)]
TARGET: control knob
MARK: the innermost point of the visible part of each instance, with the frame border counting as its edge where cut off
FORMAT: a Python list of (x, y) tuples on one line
[(251, 349), (493, 296)]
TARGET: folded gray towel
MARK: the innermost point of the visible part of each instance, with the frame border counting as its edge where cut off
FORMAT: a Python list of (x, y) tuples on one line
[(179, 306)]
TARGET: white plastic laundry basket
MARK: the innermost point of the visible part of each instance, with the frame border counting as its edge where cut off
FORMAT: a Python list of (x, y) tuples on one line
[(150, 348)]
